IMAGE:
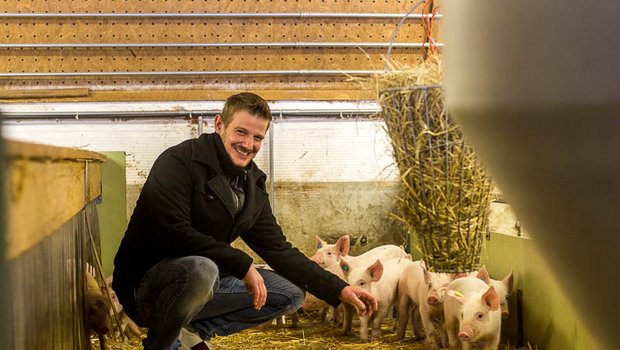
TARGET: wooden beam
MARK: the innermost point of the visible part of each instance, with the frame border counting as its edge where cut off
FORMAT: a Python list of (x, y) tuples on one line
[(40, 152), (45, 187), (349, 94), (42, 93)]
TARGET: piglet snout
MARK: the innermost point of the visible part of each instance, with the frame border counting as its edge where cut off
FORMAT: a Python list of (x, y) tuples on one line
[(433, 300), (464, 336)]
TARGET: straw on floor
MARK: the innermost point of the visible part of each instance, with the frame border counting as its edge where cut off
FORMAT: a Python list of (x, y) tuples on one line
[(311, 334)]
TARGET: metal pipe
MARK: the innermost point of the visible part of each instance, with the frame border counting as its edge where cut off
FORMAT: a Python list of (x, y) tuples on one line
[(94, 115), (212, 15), (176, 109), (200, 122), (185, 73), (207, 45), (400, 23), (272, 195), (167, 114), (197, 108)]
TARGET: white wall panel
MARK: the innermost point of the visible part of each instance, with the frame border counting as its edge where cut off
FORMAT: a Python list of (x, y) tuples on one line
[(306, 150), (332, 150), (141, 140)]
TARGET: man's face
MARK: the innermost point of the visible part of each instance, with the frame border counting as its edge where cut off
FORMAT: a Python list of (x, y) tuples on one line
[(242, 137)]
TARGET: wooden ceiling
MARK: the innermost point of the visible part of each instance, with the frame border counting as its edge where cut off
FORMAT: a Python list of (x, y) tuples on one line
[(137, 50)]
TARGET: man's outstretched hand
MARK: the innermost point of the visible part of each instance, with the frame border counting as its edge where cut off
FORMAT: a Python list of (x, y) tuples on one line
[(365, 303), (255, 285)]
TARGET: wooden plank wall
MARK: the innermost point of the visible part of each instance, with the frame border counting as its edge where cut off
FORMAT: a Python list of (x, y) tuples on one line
[(51, 217), (108, 64)]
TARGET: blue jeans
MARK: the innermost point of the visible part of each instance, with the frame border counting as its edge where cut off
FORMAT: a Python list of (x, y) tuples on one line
[(187, 291)]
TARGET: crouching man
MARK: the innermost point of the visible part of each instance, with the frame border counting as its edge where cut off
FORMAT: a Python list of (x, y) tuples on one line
[(175, 269)]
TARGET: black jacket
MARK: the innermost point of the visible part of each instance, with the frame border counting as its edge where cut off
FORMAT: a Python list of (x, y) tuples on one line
[(186, 208)]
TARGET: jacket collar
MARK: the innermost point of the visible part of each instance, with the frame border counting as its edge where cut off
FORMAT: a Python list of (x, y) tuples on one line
[(204, 152)]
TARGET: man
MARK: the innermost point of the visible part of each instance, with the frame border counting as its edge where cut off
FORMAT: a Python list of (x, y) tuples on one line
[(175, 267)]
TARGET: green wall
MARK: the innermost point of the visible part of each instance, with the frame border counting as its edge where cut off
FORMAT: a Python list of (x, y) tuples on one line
[(112, 210), (550, 321)]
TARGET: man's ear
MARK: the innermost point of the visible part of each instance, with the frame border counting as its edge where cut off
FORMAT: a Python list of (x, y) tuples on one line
[(218, 124)]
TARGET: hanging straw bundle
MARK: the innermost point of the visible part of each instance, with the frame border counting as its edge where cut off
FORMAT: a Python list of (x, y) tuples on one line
[(446, 193)]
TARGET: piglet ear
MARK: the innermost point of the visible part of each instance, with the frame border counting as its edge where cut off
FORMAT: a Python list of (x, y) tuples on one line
[(345, 267), (320, 243), (455, 295), (376, 271), (343, 245), (490, 299), (427, 276), (483, 274)]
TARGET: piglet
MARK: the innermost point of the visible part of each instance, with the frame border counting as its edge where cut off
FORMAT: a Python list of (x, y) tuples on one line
[(381, 280), (472, 314), (328, 254), (383, 252), (127, 325), (97, 309), (341, 249), (421, 292), (502, 287)]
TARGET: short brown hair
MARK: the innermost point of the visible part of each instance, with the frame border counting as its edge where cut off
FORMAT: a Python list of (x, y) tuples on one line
[(253, 103)]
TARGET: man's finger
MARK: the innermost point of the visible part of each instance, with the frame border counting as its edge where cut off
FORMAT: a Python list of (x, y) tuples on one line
[(257, 298), (370, 309), (260, 296), (361, 307), (264, 296), (373, 305), (370, 304)]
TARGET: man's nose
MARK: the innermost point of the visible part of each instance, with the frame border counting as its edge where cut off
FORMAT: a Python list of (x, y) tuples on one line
[(248, 142)]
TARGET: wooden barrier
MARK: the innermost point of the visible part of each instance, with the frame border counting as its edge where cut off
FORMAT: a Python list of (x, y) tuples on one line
[(51, 225)]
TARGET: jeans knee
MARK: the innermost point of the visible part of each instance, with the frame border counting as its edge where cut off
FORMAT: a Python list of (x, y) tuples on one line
[(296, 298), (202, 274), (291, 297)]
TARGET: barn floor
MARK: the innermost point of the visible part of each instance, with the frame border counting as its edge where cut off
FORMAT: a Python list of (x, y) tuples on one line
[(311, 333)]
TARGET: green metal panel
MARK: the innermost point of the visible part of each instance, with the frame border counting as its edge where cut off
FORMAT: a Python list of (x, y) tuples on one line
[(549, 318), (112, 210)]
